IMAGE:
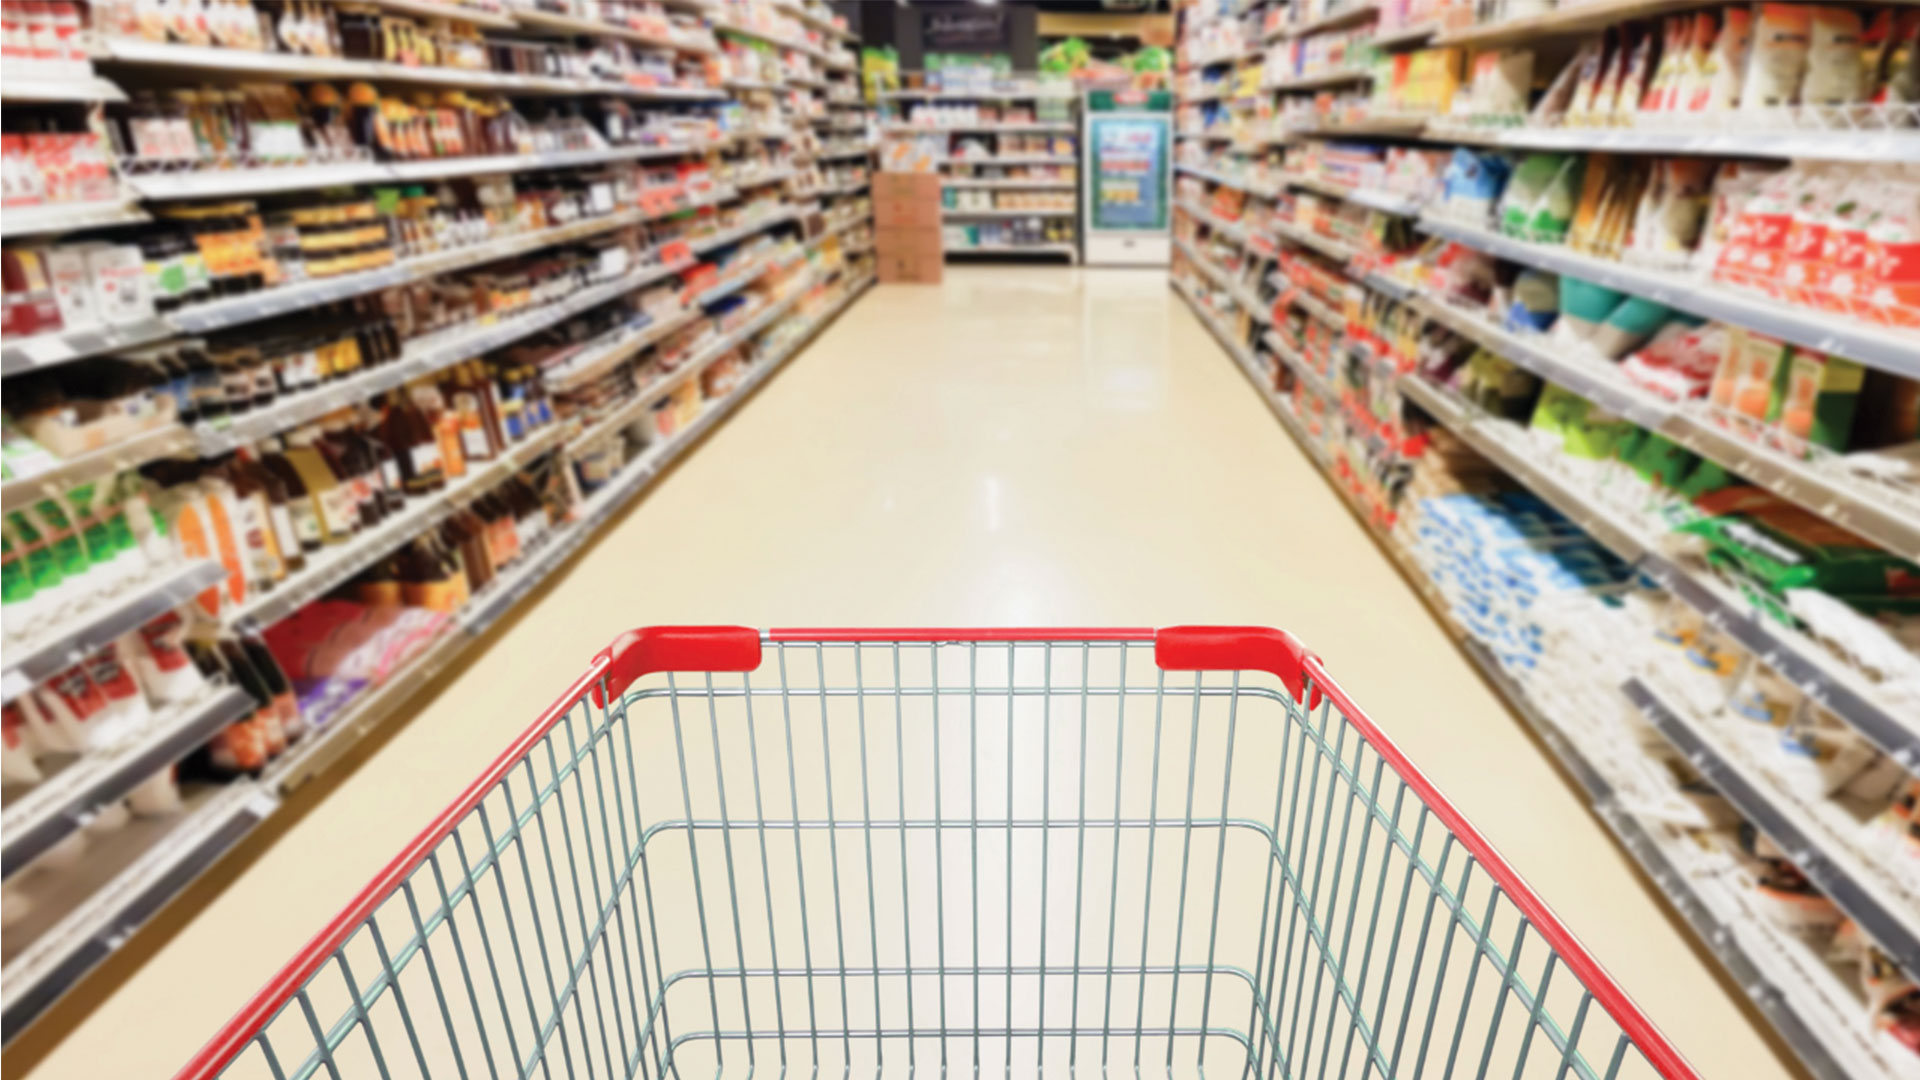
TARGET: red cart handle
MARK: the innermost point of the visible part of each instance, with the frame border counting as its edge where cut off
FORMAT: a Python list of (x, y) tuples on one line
[(1237, 648), (654, 649)]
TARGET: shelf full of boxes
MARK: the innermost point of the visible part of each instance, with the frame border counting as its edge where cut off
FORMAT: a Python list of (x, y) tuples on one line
[(1595, 315), (1006, 149), (294, 349)]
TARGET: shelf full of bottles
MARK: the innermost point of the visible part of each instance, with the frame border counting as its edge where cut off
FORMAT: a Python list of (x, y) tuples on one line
[(295, 349)]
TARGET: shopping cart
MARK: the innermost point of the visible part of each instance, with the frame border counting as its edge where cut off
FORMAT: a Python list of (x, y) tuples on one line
[(878, 852)]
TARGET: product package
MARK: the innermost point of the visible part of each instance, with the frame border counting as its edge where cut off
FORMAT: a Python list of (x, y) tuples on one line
[(1777, 63), (1814, 399), (1779, 546)]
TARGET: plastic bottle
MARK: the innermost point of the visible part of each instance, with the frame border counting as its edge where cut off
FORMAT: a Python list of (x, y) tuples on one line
[(157, 655)]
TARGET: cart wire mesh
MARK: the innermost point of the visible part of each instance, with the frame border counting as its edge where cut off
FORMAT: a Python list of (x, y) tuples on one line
[(875, 856)]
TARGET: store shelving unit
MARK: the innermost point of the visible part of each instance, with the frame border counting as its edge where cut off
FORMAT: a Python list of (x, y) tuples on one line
[(82, 917), (1815, 1006), (70, 217), (96, 622), (56, 808), (82, 912), (1769, 968), (1043, 100), (1847, 876), (1879, 515), (393, 698)]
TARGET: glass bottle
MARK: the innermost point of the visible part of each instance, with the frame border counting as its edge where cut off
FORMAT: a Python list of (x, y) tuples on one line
[(414, 446), (303, 508)]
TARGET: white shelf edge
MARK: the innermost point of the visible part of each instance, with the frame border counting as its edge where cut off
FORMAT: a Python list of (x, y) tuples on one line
[(63, 802), (1827, 680), (35, 658), (1846, 876)]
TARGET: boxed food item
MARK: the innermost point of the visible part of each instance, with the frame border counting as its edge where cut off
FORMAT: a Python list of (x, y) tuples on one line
[(1814, 398), (1744, 382)]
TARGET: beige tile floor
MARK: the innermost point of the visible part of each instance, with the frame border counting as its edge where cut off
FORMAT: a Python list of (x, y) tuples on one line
[(1018, 446)]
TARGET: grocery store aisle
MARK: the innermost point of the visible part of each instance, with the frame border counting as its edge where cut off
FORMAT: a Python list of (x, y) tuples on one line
[(1018, 446)]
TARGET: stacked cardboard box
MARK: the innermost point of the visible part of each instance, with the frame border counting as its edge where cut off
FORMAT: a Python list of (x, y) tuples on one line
[(906, 218)]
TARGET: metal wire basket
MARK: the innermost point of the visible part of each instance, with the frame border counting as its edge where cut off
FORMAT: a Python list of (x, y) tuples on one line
[(877, 852)]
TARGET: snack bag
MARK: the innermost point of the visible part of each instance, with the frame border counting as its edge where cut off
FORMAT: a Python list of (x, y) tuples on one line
[(1680, 362), (1724, 70), (1674, 34), (1778, 63), (1670, 217), (1660, 461), (1900, 84), (1524, 191), (1632, 83), (1691, 71), (1593, 68), (1602, 172), (1556, 104), (1585, 429), (1733, 185), (1835, 59)]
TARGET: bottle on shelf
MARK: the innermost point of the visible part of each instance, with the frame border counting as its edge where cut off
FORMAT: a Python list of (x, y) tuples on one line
[(338, 512), (415, 447), (304, 513), (273, 488)]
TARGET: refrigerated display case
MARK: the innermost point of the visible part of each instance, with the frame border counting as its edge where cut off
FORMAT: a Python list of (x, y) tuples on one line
[(1128, 178)]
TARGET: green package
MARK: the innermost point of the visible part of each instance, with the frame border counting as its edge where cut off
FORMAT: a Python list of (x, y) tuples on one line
[(1497, 385), (1706, 478), (96, 530), (62, 538), (1552, 212), (1782, 546), (1814, 398), (1585, 429), (16, 584), (43, 568), (1660, 461), (1531, 179)]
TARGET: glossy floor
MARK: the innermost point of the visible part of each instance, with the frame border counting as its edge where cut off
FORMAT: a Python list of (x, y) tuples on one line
[(1018, 446)]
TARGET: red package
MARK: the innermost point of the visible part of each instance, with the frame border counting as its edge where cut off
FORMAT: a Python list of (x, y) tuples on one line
[(1895, 239)]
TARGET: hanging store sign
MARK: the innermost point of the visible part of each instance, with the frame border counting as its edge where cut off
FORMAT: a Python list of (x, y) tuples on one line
[(984, 30)]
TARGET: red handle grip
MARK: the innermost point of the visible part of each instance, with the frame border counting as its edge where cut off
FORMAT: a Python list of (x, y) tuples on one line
[(676, 648), (1236, 648), (737, 648)]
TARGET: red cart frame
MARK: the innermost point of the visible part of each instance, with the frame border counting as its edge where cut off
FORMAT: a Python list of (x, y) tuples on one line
[(902, 849)]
